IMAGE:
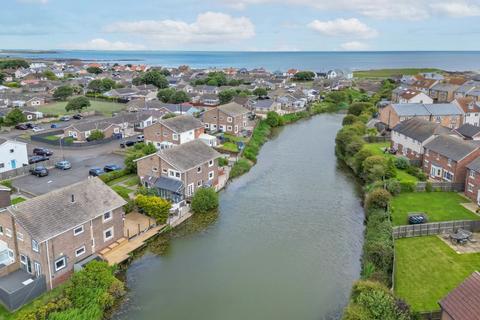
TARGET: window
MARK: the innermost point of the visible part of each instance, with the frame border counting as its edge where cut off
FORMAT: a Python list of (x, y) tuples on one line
[(447, 175), (8, 232), (173, 174), (199, 183), (210, 163), (207, 126), (470, 188), (472, 175), (108, 234), (80, 251), (229, 128), (164, 171), (229, 119), (60, 263), (1, 230), (210, 175), (20, 236), (107, 216), (35, 246), (449, 162), (175, 136), (199, 169), (154, 169), (78, 230)]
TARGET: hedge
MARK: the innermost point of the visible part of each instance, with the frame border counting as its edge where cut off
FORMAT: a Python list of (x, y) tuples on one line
[(109, 176)]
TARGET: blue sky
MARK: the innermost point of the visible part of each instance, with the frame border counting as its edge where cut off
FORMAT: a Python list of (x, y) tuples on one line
[(258, 25)]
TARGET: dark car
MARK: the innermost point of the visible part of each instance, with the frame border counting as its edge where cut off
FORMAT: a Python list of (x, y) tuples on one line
[(36, 159), (54, 126), (30, 125), (127, 144), (78, 117), (42, 152), (39, 171), (417, 218), (21, 127), (111, 167), (95, 172)]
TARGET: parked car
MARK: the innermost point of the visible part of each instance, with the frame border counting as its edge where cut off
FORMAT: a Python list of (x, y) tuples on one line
[(42, 152), (54, 126), (37, 129), (30, 125), (21, 127), (111, 167), (65, 118), (127, 144), (39, 171), (95, 172), (36, 159), (64, 165), (78, 117), (141, 138)]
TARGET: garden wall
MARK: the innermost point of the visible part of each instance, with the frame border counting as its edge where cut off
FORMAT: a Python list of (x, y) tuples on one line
[(441, 186), (434, 228), (25, 170)]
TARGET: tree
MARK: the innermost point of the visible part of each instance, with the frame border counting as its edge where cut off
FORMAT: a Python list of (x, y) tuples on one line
[(96, 135), (217, 79), (205, 200), (63, 92), (378, 168), (226, 96), (138, 151), (77, 104), (2, 77), (50, 75), (179, 97), (94, 70), (357, 108), (304, 76), (13, 64), (154, 77), (154, 207), (99, 86), (260, 92), (15, 117), (378, 199), (170, 95), (274, 119)]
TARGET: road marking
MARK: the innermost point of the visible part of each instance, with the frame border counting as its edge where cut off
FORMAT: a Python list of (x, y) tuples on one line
[(49, 181)]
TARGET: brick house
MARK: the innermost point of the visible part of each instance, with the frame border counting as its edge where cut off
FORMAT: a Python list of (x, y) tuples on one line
[(176, 173), (472, 181), (174, 131), (463, 302), (446, 158), (42, 238), (443, 92), (231, 118), (82, 130), (471, 110), (410, 136)]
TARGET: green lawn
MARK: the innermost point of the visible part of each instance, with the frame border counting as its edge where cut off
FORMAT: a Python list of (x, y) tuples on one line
[(121, 179), (52, 138), (107, 108), (426, 269), (233, 138), (18, 200), (386, 73), (229, 146), (439, 206), (132, 181)]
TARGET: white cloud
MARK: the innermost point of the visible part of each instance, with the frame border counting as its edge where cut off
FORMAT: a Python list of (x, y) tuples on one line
[(343, 28), (354, 46), (209, 27), (102, 44), (457, 10)]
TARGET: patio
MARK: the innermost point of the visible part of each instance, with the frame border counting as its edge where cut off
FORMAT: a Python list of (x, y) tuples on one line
[(468, 247)]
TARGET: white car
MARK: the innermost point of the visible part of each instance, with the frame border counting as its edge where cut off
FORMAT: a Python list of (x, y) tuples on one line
[(37, 129)]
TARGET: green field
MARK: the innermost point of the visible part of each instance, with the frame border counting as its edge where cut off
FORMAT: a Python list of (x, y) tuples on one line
[(386, 73), (426, 269), (106, 108), (439, 206)]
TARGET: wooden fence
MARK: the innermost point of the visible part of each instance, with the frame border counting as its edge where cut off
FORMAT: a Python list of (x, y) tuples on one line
[(441, 186), (431, 315), (434, 228), (25, 169)]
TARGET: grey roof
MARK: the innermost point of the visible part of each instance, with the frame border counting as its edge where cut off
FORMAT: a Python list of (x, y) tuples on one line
[(263, 104), (410, 109), (474, 165), (451, 147), (91, 125), (233, 109), (188, 155), (53, 213), (468, 131), (441, 109), (445, 87), (420, 129), (182, 123), (169, 184)]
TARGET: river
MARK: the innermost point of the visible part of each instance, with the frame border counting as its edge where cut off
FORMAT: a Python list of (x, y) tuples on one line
[(286, 242)]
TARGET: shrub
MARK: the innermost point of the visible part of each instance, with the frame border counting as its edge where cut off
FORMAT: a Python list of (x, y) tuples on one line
[(274, 119), (378, 168), (154, 207), (349, 119), (428, 186), (240, 167), (402, 163), (354, 145), (358, 159), (408, 186), (112, 175), (222, 162), (8, 184), (357, 108), (96, 135), (204, 200), (394, 187), (377, 199)]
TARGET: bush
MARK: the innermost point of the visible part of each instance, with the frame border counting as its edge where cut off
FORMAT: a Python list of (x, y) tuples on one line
[(408, 186), (402, 163), (274, 119), (394, 187), (109, 176), (358, 159), (205, 200), (96, 135), (222, 162), (378, 168), (240, 167), (8, 184), (154, 207), (349, 119), (377, 199), (428, 186)]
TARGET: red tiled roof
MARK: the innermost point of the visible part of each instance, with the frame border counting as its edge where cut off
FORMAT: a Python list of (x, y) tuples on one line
[(463, 302)]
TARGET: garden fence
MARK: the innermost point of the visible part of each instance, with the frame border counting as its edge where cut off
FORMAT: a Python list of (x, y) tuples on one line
[(373, 139), (431, 315), (25, 169), (43, 138), (434, 228), (441, 186)]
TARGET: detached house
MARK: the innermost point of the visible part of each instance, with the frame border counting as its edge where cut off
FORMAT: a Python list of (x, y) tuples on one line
[(176, 173), (174, 131), (410, 136), (13, 154), (446, 158), (43, 238), (82, 130), (231, 118)]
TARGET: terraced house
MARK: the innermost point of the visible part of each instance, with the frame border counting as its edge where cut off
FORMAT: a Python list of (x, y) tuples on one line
[(174, 131), (43, 239)]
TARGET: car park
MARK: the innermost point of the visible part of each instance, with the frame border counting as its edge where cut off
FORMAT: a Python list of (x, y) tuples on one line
[(37, 159), (63, 165), (39, 171), (21, 127), (65, 118), (111, 167), (42, 152), (95, 172)]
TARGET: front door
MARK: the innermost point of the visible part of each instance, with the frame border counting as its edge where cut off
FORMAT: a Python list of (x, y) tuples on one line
[(26, 263), (13, 164), (37, 268)]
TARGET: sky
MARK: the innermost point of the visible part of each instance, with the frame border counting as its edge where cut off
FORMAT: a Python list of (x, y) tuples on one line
[(241, 25)]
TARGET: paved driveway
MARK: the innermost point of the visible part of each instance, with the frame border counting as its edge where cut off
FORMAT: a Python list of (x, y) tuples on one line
[(59, 178)]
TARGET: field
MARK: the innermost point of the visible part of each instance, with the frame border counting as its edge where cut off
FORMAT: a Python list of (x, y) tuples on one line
[(106, 108), (426, 269), (439, 206), (386, 73)]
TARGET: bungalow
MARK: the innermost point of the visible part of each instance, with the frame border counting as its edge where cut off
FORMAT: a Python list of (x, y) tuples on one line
[(446, 158), (43, 238), (463, 302), (82, 130), (174, 131), (230, 118), (176, 173), (13, 154), (410, 136), (263, 106), (35, 102), (32, 114)]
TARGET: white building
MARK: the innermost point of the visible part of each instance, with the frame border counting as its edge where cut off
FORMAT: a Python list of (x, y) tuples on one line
[(13, 154)]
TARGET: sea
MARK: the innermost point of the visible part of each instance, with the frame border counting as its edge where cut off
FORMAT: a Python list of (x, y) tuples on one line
[(273, 61)]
